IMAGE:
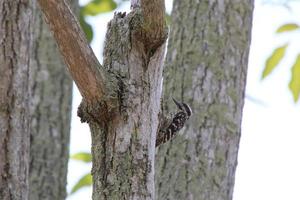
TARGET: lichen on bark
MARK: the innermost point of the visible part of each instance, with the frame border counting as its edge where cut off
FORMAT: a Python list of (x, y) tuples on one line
[(206, 67), (123, 149)]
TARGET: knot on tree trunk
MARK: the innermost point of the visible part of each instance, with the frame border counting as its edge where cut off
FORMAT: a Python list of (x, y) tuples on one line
[(99, 112), (109, 107)]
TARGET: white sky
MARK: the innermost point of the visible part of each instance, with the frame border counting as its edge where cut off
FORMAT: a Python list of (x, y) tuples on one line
[(269, 160)]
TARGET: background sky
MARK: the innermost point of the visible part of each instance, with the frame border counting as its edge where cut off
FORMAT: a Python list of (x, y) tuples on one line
[(269, 160)]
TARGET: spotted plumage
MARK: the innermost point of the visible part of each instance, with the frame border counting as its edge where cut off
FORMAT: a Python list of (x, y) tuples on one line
[(168, 130)]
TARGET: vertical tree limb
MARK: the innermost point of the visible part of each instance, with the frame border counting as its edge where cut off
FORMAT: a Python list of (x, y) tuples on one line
[(124, 149), (206, 67), (123, 144), (153, 24), (14, 98), (50, 111)]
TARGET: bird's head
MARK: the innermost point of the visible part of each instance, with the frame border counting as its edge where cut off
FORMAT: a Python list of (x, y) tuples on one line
[(184, 107)]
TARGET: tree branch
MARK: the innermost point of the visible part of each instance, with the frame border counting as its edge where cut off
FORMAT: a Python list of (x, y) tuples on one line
[(154, 29), (83, 65)]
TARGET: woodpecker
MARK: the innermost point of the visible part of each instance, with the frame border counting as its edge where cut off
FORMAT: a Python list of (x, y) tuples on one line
[(168, 130)]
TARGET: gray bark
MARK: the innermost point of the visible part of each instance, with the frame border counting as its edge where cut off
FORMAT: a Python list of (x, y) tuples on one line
[(14, 98), (50, 108), (123, 147), (206, 67)]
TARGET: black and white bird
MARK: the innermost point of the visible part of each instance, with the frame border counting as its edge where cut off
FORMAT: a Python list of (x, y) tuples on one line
[(169, 128)]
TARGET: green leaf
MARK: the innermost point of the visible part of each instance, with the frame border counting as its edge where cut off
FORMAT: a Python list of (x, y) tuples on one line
[(98, 6), (85, 181), (82, 156), (294, 84), (287, 27), (87, 28), (274, 60)]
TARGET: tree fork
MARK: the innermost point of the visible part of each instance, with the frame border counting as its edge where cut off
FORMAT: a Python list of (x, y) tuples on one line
[(121, 99)]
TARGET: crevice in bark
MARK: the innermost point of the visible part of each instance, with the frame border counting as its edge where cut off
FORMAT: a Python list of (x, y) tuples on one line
[(125, 164), (209, 45), (50, 110), (121, 99), (14, 109)]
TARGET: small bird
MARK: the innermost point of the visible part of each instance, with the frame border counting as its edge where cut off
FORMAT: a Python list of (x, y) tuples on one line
[(168, 129)]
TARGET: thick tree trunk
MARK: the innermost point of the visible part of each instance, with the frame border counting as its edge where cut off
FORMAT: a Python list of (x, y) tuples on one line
[(206, 67), (50, 109), (124, 148), (14, 98)]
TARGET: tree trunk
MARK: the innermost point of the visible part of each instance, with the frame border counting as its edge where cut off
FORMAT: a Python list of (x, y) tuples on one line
[(123, 148), (121, 100), (14, 98), (50, 109), (206, 67)]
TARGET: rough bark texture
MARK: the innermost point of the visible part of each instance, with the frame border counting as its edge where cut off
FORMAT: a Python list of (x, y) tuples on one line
[(124, 148), (14, 98), (121, 100), (206, 67), (50, 108)]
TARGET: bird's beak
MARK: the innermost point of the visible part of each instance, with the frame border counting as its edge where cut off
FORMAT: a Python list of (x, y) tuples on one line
[(177, 103)]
